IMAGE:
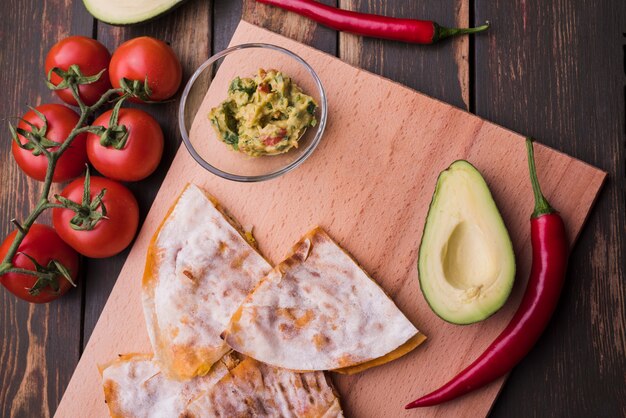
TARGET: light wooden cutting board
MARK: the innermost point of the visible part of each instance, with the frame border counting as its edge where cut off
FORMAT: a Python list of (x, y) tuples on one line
[(369, 185)]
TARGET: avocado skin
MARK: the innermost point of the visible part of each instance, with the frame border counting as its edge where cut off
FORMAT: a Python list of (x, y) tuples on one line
[(421, 248), (146, 20)]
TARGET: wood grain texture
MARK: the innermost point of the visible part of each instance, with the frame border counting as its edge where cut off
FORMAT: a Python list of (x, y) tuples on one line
[(553, 70), (556, 71), (375, 211), (226, 17), (192, 48), (291, 25), (39, 345), (441, 70)]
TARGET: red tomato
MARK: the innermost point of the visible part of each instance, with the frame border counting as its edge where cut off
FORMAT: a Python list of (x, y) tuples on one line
[(91, 56), (61, 120), (44, 245), (111, 234), (147, 57), (141, 153), (273, 140)]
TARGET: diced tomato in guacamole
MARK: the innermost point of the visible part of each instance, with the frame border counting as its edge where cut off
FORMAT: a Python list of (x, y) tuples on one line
[(264, 115)]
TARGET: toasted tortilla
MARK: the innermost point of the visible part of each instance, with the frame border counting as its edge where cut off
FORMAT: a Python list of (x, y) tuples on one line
[(254, 389), (199, 269), (318, 310), (134, 387)]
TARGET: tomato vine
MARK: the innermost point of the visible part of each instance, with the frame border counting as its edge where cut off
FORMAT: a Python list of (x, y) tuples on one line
[(38, 143)]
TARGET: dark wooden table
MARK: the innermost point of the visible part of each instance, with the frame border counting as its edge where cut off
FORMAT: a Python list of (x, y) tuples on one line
[(553, 70)]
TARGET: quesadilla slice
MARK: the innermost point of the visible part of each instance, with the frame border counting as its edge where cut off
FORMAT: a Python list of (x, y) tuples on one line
[(254, 389), (134, 387), (198, 271), (318, 310)]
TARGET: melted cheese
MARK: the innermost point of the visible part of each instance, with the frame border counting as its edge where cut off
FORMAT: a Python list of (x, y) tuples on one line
[(405, 348), (254, 389), (134, 387), (199, 269), (318, 310)]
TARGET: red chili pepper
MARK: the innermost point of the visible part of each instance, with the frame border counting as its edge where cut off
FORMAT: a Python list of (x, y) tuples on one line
[(405, 30), (550, 251)]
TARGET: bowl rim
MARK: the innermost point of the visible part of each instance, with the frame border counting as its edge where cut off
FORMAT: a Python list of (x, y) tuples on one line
[(236, 177)]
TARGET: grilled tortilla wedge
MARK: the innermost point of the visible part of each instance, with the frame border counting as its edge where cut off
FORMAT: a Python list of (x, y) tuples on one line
[(318, 310), (254, 389), (134, 387), (199, 269)]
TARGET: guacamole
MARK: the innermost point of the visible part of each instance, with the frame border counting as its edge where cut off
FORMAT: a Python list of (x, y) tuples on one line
[(264, 115)]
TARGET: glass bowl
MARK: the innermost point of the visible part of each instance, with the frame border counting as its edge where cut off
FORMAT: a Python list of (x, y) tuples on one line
[(208, 87)]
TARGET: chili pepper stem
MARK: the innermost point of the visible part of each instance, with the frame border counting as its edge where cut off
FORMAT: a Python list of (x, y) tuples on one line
[(441, 32), (542, 207)]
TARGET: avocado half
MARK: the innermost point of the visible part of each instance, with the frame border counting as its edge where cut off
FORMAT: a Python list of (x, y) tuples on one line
[(128, 12), (466, 261)]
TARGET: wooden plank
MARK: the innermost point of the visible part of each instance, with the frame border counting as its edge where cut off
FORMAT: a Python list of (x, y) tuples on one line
[(192, 47), (441, 70), (375, 211), (226, 17), (291, 25), (39, 344), (556, 71)]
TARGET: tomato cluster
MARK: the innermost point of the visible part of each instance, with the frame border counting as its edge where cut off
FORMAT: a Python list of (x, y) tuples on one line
[(143, 61)]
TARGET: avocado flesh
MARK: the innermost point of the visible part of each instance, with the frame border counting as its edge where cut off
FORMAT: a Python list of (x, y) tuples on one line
[(466, 260), (127, 12)]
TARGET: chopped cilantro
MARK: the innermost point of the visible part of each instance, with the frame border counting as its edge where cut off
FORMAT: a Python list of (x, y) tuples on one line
[(231, 139), (246, 85)]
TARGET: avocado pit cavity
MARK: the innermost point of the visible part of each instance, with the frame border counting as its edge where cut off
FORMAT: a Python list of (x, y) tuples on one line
[(466, 261), (469, 264)]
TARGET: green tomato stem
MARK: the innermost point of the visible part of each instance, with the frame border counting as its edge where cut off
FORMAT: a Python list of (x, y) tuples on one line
[(44, 200), (18, 270)]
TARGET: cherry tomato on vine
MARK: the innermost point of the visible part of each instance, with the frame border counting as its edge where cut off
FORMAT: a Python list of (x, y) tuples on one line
[(140, 154), (90, 56), (111, 234), (147, 57), (60, 122), (44, 245)]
